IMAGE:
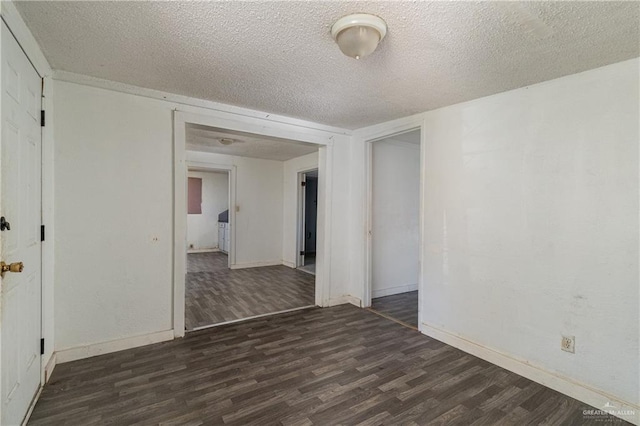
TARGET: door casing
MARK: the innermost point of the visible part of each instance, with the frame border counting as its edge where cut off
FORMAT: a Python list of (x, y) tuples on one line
[(259, 126), (24, 221)]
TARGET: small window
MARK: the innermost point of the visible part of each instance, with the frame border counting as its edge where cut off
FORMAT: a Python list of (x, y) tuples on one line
[(195, 196)]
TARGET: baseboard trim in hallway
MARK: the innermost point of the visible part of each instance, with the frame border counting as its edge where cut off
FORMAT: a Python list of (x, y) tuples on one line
[(204, 327)]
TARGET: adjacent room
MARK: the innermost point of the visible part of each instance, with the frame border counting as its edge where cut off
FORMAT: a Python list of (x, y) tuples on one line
[(307, 221), (395, 226), (208, 243), (319, 213), (235, 255)]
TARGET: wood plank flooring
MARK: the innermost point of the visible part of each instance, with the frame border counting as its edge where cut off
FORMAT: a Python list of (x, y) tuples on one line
[(340, 365), (402, 307), (215, 293)]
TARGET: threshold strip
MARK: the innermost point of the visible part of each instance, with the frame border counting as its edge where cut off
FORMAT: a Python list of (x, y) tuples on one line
[(392, 319), (204, 327)]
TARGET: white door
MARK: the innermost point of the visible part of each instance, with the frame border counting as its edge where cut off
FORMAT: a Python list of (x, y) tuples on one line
[(20, 205)]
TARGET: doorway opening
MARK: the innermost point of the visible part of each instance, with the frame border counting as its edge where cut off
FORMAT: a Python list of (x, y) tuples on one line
[(394, 212), (307, 220), (241, 225), (208, 241)]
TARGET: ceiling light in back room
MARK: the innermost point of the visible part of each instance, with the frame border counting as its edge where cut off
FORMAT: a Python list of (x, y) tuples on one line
[(358, 35)]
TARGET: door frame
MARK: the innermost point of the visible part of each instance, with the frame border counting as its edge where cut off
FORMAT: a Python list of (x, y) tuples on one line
[(23, 38), (259, 126), (231, 172), (369, 136), (29, 45), (301, 222)]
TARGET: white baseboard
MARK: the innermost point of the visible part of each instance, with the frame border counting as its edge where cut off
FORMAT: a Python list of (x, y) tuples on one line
[(205, 250), (289, 264), (48, 369), (32, 406), (343, 300), (256, 264), (394, 290), (580, 391), (94, 349)]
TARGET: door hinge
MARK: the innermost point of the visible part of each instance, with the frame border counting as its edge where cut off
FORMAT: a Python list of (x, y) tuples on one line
[(41, 232), (301, 253), (41, 346), (303, 183), (42, 118)]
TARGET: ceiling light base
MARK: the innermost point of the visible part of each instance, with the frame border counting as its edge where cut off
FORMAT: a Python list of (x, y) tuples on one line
[(358, 35)]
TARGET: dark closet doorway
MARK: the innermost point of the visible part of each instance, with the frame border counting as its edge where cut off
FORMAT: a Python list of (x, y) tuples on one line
[(308, 219)]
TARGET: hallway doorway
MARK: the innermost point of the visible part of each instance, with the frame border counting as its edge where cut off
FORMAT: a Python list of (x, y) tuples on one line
[(307, 219)]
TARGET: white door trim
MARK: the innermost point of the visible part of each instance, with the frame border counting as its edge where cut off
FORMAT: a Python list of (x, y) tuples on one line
[(29, 45), (369, 136), (32, 252), (25, 39), (323, 139)]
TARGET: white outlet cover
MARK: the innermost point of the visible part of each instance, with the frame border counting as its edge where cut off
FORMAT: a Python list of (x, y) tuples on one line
[(568, 344)]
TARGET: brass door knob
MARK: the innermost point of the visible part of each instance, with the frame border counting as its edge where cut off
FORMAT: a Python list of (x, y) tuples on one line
[(11, 267)]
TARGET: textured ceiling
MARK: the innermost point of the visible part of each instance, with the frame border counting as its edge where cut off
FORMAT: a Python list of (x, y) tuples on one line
[(204, 138), (279, 57)]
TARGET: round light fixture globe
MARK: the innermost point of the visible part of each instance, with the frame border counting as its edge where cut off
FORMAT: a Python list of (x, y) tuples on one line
[(358, 35)]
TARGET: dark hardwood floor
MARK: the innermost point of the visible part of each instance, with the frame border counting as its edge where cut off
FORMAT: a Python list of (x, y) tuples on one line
[(340, 365), (402, 307), (215, 293)]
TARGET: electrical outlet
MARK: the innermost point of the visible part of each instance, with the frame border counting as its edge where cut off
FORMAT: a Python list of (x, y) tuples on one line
[(568, 344)]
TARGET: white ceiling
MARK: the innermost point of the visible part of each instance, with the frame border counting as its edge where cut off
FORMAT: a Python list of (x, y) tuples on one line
[(279, 57), (206, 139)]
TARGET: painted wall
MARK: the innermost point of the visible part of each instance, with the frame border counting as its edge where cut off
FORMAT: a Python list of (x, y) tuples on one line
[(113, 201), (113, 227), (531, 224), (202, 229), (290, 204), (341, 245), (259, 193), (395, 217)]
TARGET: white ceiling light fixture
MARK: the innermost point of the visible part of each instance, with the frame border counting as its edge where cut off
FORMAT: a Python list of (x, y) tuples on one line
[(358, 35)]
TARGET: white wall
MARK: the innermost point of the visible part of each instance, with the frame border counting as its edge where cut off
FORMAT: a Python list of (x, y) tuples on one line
[(395, 217), (532, 225), (113, 278), (113, 202), (290, 204), (202, 229), (531, 229), (257, 237)]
